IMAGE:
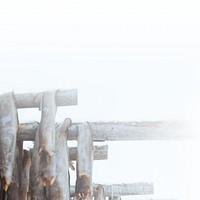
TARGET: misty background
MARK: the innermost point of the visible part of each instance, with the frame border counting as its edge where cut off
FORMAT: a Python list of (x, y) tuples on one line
[(130, 61)]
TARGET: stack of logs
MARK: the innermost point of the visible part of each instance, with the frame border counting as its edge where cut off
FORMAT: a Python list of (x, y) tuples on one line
[(43, 172)]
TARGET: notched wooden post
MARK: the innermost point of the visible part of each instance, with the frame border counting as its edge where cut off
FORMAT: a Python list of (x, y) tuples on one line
[(60, 188), (84, 186), (46, 149), (8, 136)]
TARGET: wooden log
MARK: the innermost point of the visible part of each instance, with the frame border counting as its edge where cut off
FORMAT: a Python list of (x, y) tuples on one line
[(100, 193), (114, 198), (84, 163), (100, 152), (32, 100), (47, 166), (27, 131), (14, 188), (36, 190), (47, 123), (120, 131), (24, 188), (8, 135), (59, 190), (123, 189)]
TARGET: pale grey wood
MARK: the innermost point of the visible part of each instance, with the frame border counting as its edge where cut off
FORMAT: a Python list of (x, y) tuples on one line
[(59, 190), (123, 189), (36, 190), (119, 131), (32, 100), (99, 152), (100, 193), (24, 188), (8, 135), (114, 198), (84, 162), (157, 199), (47, 165), (27, 131)]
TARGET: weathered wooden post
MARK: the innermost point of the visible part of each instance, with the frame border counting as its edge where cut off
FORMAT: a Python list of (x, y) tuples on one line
[(84, 186), (36, 190), (8, 136), (59, 190), (100, 193), (25, 178)]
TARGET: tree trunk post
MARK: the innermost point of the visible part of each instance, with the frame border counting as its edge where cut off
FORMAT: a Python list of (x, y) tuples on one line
[(84, 186)]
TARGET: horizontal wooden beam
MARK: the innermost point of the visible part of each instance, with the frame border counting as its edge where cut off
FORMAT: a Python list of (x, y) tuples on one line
[(118, 131), (100, 152), (32, 100), (123, 189)]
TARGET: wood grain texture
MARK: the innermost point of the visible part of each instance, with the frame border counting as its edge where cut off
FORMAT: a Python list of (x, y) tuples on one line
[(36, 190), (100, 193), (120, 131), (99, 152), (32, 100), (24, 186), (59, 190), (84, 163), (123, 189), (8, 136)]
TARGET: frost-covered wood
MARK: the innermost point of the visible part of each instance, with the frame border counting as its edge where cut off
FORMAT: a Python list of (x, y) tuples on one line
[(84, 163), (120, 131), (8, 135), (123, 189), (99, 152), (59, 190), (32, 100)]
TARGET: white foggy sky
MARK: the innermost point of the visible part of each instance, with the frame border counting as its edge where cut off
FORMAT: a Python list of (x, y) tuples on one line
[(130, 60)]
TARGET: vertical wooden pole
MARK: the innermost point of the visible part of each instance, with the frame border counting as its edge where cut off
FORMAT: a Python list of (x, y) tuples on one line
[(8, 137), (36, 190), (47, 165), (60, 188), (100, 193), (24, 188), (13, 190), (84, 184)]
